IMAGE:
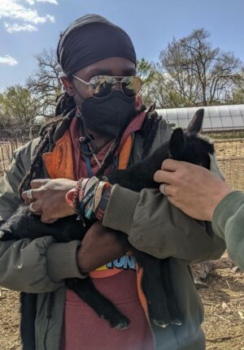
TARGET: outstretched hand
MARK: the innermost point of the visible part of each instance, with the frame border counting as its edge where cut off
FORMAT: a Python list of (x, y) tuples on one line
[(49, 198), (191, 188)]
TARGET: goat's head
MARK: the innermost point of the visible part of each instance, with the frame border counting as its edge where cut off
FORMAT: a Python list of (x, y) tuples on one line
[(188, 146)]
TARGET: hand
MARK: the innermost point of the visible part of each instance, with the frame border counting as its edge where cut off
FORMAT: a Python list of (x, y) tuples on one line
[(49, 199), (191, 188), (99, 247)]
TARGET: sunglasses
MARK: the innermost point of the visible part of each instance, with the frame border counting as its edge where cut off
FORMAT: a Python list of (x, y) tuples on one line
[(104, 85)]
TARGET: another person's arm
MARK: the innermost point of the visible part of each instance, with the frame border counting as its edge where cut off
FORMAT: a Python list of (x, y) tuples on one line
[(200, 194)]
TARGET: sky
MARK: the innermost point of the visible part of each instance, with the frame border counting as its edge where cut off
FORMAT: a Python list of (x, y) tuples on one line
[(29, 26)]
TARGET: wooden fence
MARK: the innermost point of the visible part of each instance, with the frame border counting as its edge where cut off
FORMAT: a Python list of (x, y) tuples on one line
[(7, 148)]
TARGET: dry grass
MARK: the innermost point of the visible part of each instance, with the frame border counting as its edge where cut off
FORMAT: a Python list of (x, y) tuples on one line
[(224, 308), (9, 320), (230, 155)]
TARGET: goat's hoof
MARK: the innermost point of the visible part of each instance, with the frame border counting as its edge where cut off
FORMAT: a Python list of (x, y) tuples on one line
[(123, 325), (161, 323), (176, 322)]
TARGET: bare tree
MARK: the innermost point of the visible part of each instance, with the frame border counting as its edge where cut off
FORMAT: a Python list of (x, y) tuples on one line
[(45, 83), (201, 74), (236, 95)]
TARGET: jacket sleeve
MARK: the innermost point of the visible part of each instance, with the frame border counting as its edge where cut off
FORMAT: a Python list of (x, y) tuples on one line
[(228, 223), (156, 227), (36, 266)]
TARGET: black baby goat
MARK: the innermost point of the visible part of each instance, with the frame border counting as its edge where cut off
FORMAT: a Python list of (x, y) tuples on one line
[(162, 304)]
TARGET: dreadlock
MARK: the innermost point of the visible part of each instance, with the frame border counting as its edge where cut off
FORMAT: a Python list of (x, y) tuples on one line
[(65, 111)]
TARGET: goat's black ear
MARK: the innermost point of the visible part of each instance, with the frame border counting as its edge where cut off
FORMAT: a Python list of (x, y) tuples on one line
[(195, 125), (177, 144)]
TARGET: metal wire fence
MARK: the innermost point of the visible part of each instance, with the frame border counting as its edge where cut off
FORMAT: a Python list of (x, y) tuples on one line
[(230, 155)]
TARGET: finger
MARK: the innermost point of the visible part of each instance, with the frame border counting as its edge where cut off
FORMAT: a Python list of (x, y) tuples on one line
[(171, 200), (26, 196), (162, 176), (35, 207), (166, 190), (162, 189), (170, 165), (34, 195), (38, 213), (38, 183), (46, 220), (28, 201)]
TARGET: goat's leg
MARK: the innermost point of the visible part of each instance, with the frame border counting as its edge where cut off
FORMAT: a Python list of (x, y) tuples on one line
[(104, 308), (153, 289), (173, 307)]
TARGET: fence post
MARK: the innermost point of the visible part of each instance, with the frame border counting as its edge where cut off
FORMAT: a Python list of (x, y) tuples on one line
[(12, 151), (3, 158)]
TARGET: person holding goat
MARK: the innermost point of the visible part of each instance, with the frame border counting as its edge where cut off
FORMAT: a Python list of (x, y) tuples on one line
[(100, 124)]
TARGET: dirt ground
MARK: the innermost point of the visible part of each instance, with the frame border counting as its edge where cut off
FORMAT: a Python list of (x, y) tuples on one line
[(223, 301)]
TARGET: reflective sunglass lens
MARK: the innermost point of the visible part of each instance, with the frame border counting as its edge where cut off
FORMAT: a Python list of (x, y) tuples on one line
[(131, 86), (101, 86)]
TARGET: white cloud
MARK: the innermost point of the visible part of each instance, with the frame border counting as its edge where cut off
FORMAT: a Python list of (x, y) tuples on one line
[(54, 2), (8, 60), (51, 18), (19, 10), (11, 28), (32, 2)]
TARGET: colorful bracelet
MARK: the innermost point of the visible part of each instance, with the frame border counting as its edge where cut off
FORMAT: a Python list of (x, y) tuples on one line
[(89, 198)]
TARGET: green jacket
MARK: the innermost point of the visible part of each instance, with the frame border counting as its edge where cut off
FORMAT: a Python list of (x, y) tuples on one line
[(153, 225), (228, 223)]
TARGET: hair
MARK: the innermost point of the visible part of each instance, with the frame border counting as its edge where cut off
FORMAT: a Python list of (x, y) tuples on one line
[(65, 111)]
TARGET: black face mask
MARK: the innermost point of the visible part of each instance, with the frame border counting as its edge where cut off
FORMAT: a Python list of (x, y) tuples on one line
[(110, 115)]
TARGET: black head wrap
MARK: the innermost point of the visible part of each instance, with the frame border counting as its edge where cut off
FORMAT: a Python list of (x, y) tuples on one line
[(90, 39)]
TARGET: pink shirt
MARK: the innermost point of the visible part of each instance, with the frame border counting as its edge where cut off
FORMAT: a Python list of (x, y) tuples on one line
[(84, 330)]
